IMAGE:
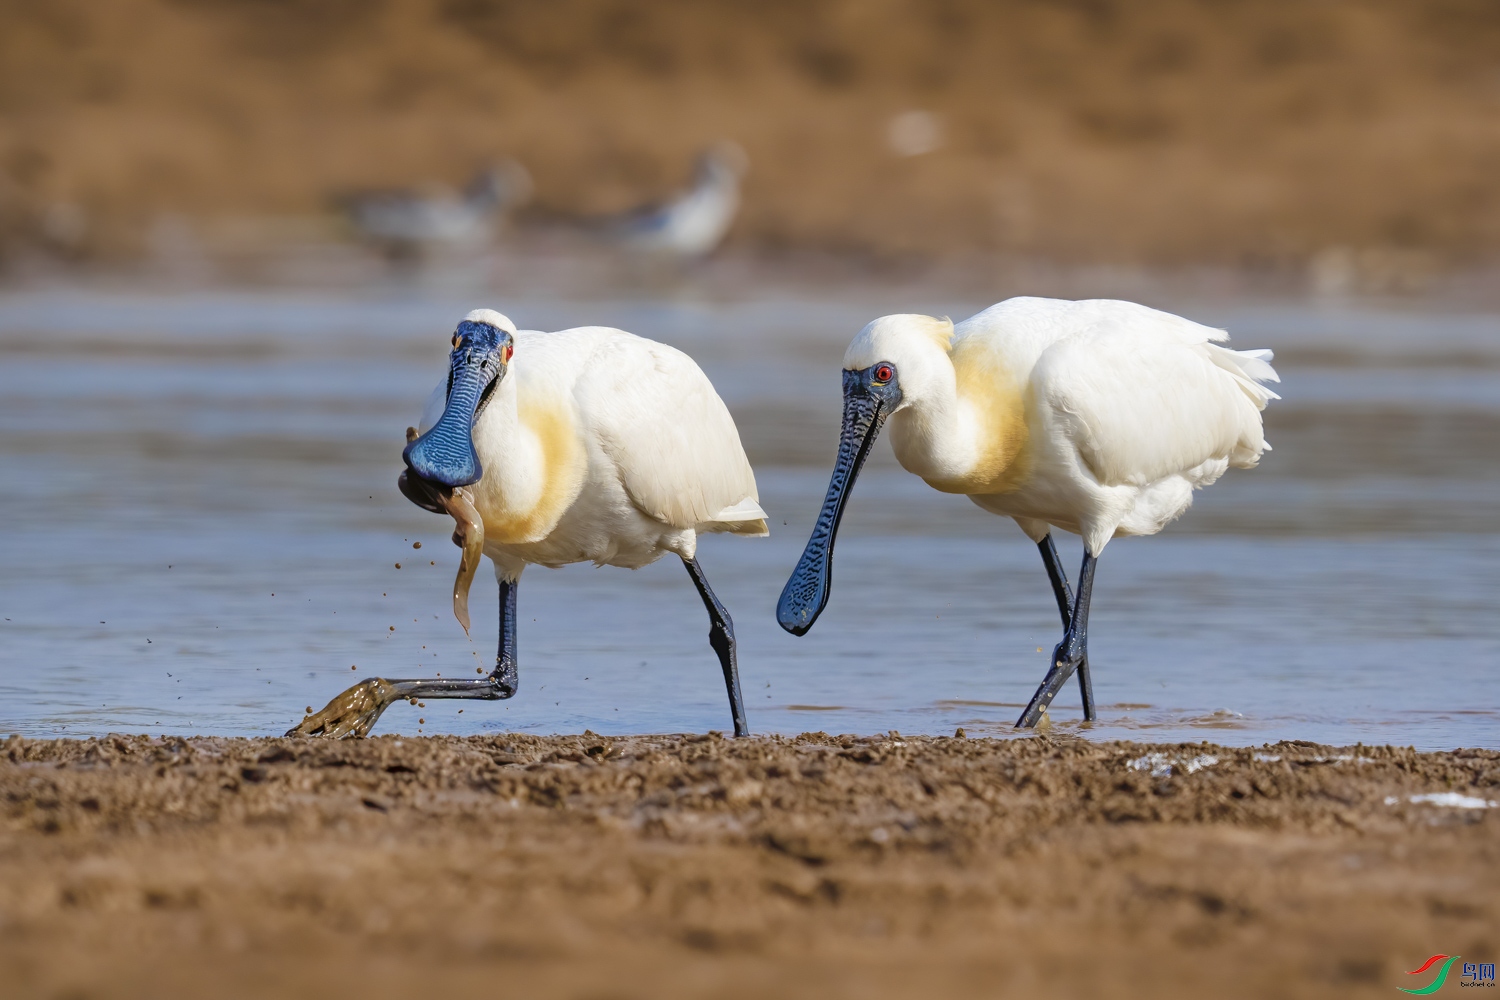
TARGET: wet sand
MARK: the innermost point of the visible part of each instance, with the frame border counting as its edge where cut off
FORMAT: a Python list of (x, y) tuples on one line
[(663, 866)]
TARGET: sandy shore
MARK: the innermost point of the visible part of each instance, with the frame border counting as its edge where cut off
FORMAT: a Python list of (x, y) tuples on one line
[(663, 866)]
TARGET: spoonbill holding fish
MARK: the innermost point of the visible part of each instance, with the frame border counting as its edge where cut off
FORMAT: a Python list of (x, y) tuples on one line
[(1099, 417), (585, 445)]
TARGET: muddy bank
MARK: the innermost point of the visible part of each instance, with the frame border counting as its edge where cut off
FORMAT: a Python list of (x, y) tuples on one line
[(1354, 139), (685, 866)]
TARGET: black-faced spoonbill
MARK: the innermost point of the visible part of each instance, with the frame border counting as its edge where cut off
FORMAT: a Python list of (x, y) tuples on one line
[(1098, 417), (585, 445)]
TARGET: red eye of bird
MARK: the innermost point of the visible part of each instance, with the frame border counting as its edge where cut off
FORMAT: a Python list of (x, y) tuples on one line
[(509, 350), (884, 373)]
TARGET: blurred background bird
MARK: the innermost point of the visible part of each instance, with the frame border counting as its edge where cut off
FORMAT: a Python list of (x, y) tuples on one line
[(407, 223), (694, 222)]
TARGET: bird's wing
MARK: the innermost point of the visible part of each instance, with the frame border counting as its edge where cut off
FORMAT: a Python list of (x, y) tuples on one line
[(1143, 395), (657, 417)]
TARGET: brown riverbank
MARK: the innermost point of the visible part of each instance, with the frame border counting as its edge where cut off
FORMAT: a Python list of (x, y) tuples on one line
[(697, 866), (1355, 141)]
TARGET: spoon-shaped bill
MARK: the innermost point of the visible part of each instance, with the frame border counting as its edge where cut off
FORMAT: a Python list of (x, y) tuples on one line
[(445, 454), (806, 592)]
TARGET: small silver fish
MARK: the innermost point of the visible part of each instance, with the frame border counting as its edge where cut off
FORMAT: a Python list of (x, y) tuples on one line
[(468, 531), (468, 535)]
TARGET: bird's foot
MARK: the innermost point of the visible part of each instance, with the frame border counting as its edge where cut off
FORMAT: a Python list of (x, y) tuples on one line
[(1069, 655), (506, 679), (355, 712), (352, 713)]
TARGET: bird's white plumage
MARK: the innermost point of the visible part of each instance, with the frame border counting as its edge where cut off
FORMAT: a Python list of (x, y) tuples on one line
[(1145, 395), (496, 319), (602, 446), (1099, 417), (654, 413)]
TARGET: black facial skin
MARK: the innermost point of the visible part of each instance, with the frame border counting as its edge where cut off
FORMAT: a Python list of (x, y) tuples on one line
[(870, 395)]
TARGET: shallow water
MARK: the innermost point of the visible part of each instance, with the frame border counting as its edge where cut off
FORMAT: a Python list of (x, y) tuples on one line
[(202, 529)]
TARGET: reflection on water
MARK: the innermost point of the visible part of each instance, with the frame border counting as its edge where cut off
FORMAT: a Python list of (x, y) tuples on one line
[(202, 532)]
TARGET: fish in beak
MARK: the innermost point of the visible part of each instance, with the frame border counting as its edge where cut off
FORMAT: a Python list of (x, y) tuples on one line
[(870, 394), (441, 463), (468, 533)]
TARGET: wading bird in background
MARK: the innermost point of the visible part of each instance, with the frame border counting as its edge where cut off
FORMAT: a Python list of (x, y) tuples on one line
[(406, 223), (585, 445), (1098, 417), (694, 222)]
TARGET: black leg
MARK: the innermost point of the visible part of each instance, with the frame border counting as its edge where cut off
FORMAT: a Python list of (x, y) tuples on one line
[(355, 711), (721, 638), (506, 675), (1064, 595), (1070, 653)]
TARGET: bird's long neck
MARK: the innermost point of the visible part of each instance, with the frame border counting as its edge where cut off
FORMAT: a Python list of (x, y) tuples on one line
[(532, 463), (965, 432)]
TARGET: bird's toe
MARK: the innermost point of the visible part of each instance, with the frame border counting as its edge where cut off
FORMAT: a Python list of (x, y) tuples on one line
[(353, 713)]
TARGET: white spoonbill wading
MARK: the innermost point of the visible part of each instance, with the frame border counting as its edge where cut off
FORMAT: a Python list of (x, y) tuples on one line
[(584, 445), (1099, 417)]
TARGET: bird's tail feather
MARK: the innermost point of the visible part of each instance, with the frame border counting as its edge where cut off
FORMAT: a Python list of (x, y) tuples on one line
[(743, 518), (750, 529), (746, 510), (1250, 369)]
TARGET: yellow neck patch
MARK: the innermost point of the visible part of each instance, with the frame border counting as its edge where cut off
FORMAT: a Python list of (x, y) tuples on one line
[(997, 405), (562, 468)]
